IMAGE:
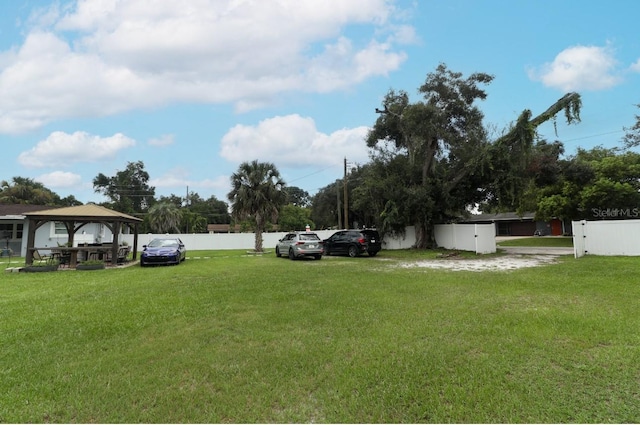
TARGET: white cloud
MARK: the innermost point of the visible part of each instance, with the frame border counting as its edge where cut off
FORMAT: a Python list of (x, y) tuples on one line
[(404, 34), (47, 80), (60, 179), (579, 68), (164, 140), (107, 56), (329, 70), (293, 141), (63, 149), (635, 67)]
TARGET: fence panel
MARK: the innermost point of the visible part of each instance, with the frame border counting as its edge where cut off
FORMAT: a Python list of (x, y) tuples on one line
[(445, 235), (478, 238), (607, 237), (406, 241), (578, 230), (485, 239)]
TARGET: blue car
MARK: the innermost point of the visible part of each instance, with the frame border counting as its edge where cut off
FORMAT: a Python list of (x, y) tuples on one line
[(163, 251)]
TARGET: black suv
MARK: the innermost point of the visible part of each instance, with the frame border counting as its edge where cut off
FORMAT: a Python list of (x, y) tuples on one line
[(353, 243)]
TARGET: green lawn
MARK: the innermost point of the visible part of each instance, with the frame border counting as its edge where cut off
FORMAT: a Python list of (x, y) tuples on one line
[(546, 241), (233, 338)]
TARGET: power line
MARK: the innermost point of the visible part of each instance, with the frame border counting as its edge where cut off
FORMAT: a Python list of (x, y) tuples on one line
[(594, 135), (314, 173)]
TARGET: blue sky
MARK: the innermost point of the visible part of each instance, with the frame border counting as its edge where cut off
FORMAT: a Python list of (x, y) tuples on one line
[(195, 87)]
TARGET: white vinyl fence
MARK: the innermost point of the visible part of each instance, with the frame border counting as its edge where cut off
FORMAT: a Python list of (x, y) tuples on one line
[(479, 238), (606, 237)]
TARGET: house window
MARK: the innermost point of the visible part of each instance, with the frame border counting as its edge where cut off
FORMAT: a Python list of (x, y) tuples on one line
[(59, 228), (19, 228), (6, 231)]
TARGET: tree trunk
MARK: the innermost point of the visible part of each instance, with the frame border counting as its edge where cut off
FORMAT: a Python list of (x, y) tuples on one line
[(425, 238), (258, 230), (258, 247), (430, 154)]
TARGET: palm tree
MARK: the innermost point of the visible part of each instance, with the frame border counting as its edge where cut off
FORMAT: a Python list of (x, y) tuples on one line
[(257, 193), (164, 217)]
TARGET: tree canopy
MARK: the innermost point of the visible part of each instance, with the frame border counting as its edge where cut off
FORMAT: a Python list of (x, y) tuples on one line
[(326, 206), (297, 196), (129, 190), (197, 212), (293, 217), (23, 190), (510, 156), (589, 182), (165, 217)]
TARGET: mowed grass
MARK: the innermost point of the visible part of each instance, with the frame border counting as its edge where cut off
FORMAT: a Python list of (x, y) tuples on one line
[(545, 241), (228, 337)]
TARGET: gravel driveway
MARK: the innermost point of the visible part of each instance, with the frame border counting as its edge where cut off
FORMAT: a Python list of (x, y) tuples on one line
[(517, 257), (504, 263)]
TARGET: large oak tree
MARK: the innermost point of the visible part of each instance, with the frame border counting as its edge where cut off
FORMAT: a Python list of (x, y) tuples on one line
[(437, 144)]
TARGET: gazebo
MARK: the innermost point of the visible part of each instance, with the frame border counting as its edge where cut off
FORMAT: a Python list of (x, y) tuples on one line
[(74, 218)]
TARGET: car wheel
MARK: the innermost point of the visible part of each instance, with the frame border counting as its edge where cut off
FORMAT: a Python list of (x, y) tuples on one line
[(292, 256), (278, 253), (353, 251), (318, 257), (372, 253)]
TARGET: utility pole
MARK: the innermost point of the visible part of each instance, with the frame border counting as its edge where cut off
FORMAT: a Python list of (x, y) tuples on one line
[(346, 197), (186, 204), (338, 204)]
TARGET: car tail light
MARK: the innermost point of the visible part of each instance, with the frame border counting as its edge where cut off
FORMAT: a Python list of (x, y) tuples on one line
[(299, 243), (362, 240)]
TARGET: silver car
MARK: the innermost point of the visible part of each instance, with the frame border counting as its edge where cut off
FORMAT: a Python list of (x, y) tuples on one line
[(300, 244)]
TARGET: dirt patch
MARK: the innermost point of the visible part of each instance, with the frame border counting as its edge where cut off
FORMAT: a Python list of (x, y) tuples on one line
[(506, 263)]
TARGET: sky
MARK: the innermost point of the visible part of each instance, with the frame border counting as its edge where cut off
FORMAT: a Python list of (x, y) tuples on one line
[(193, 88)]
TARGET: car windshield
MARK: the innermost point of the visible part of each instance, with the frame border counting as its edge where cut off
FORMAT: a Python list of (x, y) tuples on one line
[(158, 243), (309, 237)]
